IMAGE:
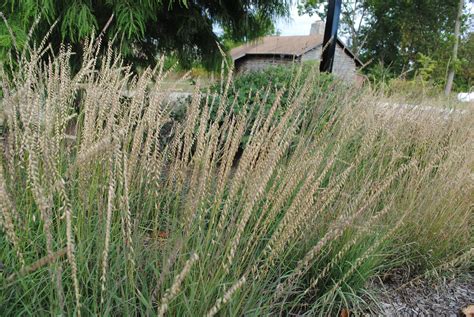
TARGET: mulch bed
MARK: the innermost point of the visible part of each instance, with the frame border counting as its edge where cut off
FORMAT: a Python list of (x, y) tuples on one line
[(424, 297)]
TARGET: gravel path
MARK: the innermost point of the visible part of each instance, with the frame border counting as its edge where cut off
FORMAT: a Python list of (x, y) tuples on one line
[(425, 298)]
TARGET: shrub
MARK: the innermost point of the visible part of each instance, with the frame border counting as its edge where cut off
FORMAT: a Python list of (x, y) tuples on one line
[(100, 216), (259, 90), (269, 81)]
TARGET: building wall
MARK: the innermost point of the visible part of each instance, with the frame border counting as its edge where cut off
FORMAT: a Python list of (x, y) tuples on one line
[(313, 55), (255, 63), (344, 65)]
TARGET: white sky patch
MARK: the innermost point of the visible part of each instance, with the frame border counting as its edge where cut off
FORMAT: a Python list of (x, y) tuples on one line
[(296, 24), (470, 10)]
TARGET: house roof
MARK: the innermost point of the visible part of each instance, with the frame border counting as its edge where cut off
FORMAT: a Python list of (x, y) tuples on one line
[(285, 45)]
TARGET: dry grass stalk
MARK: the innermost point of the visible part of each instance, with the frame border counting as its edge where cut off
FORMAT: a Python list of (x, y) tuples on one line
[(38, 264), (110, 208), (226, 298), (71, 246), (175, 287), (6, 218), (127, 218), (358, 234), (368, 253), (337, 230)]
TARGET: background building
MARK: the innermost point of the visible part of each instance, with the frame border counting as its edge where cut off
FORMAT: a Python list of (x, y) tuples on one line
[(277, 50)]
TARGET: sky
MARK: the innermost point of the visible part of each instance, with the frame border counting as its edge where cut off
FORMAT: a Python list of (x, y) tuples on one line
[(470, 8), (296, 25)]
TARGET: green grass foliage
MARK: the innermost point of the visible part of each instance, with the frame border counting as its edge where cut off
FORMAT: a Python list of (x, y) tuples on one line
[(110, 207)]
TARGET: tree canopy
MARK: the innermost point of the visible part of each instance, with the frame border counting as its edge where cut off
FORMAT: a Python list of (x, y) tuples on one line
[(403, 35), (398, 31), (143, 28)]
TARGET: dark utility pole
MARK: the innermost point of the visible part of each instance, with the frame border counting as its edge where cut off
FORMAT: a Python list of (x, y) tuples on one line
[(330, 36)]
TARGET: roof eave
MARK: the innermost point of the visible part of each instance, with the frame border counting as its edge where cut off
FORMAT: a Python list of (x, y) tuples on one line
[(350, 53), (266, 54), (309, 48)]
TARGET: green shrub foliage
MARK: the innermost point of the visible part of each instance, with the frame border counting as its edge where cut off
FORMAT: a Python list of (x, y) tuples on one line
[(257, 91)]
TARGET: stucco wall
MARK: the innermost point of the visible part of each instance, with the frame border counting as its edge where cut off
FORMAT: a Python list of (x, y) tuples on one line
[(344, 66), (254, 63), (314, 54)]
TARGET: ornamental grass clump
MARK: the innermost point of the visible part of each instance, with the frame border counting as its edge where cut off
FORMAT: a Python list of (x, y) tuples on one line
[(110, 206)]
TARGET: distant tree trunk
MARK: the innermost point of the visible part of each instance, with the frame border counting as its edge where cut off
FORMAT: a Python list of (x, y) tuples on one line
[(457, 31)]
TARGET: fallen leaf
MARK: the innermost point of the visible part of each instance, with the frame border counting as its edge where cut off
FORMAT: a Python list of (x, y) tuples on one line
[(345, 312), (468, 311), (163, 234)]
